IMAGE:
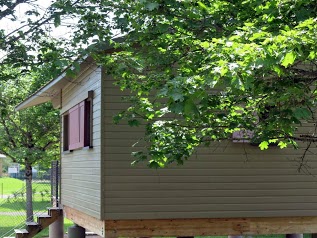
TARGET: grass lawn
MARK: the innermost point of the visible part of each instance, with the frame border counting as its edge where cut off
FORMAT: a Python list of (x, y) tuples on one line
[(9, 223), (13, 207), (19, 205), (41, 199), (10, 185)]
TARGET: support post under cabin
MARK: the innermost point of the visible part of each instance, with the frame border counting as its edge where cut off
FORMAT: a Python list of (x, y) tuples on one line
[(76, 231), (56, 229), (294, 235)]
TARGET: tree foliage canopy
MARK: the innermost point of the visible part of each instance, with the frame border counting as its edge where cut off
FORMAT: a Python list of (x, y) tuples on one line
[(198, 70), (30, 136)]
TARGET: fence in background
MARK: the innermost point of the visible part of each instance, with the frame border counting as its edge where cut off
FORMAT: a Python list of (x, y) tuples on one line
[(13, 206), (55, 178)]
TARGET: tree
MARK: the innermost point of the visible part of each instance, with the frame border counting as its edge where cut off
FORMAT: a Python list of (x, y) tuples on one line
[(198, 70), (28, 137)]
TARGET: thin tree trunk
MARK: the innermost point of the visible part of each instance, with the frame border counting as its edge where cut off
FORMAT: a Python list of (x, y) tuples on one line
[(29, 195)]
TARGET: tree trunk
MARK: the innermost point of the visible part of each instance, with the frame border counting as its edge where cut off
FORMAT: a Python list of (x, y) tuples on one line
[(29, 195)]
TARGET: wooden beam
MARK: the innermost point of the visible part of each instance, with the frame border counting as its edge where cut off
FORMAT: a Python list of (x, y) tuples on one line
[(57, 100), (210, 227), (84, 220), (192, 227)]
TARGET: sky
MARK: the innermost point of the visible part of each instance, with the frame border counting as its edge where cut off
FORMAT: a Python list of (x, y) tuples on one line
[(41, 5), (10, 25), (61, 32)]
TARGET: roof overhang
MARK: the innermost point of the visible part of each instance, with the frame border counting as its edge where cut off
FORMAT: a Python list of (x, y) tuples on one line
[(45, 94), (52, 89)]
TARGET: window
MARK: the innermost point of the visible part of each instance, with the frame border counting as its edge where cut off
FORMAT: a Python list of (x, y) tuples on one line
[(242, 136), (77, 126), (249, 136)]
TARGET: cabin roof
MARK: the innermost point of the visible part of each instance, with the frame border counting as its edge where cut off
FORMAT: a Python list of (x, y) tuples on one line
[(48, 91), (53, 87), (44, 94)]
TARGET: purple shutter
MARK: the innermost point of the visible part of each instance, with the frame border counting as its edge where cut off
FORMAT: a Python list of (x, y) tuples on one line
[(77, 126), (74, 123), (81, 127)]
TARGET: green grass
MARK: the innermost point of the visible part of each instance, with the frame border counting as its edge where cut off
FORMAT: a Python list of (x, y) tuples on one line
[(18, 206), (41, 199), (10, 185), (8, 223), (15, 203)]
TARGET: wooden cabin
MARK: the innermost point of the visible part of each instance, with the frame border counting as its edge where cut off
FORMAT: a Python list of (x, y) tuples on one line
[(226, 189)]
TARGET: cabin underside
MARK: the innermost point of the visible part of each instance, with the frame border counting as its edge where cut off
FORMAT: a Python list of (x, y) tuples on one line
[(193, 227)]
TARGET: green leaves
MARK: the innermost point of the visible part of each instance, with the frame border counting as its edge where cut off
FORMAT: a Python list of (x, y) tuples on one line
[(134, 122), (264, 145), (288, 59), (190, 109), (196, 71), (302, 113), (177, 95), (31, 134), (202, 5), (57, 20), (282, 144), (151, 6)]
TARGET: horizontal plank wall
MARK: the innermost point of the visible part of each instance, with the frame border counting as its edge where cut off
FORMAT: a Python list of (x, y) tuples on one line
[(80, 186), (225, 180)]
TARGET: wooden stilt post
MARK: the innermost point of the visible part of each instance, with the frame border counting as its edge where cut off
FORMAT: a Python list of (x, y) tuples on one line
[(76, 231), (294, 235), (56, 229)]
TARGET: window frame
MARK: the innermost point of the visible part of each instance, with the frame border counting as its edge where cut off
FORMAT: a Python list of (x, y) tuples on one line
[(83, 110), (240, 135)]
